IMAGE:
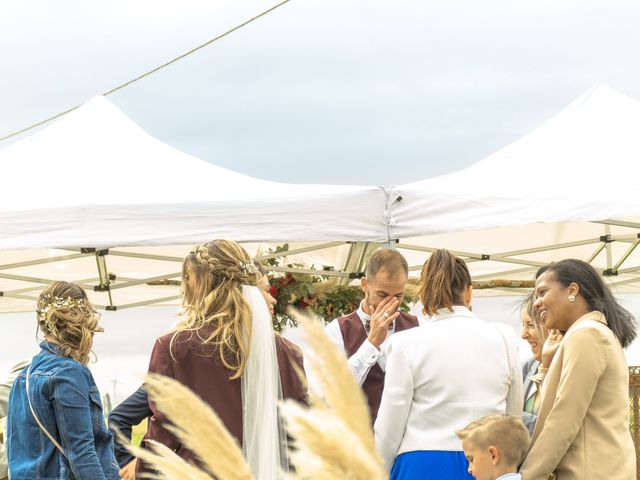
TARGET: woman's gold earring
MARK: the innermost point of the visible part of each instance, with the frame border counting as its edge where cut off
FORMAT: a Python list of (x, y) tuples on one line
[(572, 298)]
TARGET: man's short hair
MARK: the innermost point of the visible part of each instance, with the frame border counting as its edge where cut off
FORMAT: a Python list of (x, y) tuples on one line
[(508, 434), (390, 260)]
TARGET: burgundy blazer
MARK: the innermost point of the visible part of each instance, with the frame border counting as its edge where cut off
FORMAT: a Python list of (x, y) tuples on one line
[(199, 368), (354, 335)]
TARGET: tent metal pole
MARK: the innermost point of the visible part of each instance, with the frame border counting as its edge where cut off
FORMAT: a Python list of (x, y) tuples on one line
[(625, 256), (142, 281), (415, 268), (40, 261), (44, 281), (625, 281), (296, 251), (546, 248), (418, 248), (597, 251), (19, 296), (607, 232), (628, 270), (39, 287), (619, 223), (103, 275), (355, 259), (517, 261), (146, 256), (512, 253), (497, 259), (309, 271), (624, 238), (148, 302)]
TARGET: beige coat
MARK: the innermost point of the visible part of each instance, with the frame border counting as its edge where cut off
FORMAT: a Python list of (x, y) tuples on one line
[(582, 431)]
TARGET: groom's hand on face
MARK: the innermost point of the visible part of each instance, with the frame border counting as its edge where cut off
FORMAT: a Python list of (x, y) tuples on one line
[(384, 314)]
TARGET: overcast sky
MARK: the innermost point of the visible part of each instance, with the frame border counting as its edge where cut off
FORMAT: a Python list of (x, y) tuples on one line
[(331, 91)]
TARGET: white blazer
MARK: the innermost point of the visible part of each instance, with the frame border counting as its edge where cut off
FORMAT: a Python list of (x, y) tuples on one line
[(443, 375)]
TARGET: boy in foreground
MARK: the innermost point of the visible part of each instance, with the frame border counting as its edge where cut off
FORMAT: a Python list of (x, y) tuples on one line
[(494, 446)]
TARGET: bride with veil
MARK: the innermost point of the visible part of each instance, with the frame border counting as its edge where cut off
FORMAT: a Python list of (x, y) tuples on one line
[(225, 350)]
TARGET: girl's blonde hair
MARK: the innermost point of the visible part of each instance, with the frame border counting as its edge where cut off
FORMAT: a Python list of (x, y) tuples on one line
[(67, 317), (219, 269)]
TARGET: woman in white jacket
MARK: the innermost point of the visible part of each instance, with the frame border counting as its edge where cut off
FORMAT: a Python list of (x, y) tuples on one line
[(443, 375)]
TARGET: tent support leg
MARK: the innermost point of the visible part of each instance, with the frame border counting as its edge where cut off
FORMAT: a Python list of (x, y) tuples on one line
[(103, 276), (355, 259), (625, 256), (607, 232)]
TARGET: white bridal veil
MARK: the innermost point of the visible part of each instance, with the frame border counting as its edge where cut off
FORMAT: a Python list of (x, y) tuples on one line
[(264, 441)]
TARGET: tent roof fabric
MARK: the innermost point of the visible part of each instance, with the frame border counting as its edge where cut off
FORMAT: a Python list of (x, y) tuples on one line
[(582, 165), (94, 178)]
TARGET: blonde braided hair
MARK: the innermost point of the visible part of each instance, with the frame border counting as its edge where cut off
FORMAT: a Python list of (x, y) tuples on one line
[(66, 316), (212, 277)]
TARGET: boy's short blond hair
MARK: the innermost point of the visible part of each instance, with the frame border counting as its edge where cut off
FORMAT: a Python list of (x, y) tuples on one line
[(508, 434)]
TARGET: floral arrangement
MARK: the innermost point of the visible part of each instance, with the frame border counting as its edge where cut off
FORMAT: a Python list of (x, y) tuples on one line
[(316, 294)]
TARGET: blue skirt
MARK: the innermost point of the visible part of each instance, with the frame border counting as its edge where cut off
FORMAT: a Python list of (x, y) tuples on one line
[(430, 465)]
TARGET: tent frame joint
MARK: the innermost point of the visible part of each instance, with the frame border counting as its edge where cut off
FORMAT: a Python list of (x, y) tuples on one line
[(98, 252)]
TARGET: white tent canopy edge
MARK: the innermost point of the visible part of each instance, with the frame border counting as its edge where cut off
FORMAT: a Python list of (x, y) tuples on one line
[(567, 189), (530, 203)]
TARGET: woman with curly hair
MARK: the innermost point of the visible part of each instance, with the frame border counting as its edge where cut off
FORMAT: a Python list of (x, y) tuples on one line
[(225, 350), (55, 426)]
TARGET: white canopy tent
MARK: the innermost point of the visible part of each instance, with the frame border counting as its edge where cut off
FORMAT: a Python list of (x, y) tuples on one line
[(94, 178), (94, 186), (570, 188), (95, 199)]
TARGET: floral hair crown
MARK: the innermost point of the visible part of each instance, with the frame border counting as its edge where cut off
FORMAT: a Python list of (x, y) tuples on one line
[(57, 303), (202, 254), (249, 268), (51, 304)]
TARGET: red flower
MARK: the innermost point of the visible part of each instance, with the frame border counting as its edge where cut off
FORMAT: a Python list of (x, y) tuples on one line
[(273, 290)]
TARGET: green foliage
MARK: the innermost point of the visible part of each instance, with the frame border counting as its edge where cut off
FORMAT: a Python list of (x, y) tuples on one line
[(338, 300), (325, 298), (138, 431)]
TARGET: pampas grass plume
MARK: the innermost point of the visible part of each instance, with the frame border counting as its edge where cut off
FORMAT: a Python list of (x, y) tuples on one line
[(198, 428), (164, 460), (334, 439)]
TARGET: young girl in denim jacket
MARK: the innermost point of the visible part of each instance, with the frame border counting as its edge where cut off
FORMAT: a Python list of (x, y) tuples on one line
[(56, 429)]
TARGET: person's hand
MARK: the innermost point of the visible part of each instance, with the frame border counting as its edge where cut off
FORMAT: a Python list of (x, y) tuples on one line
[(384, 314), (550, 347), (128, 472)]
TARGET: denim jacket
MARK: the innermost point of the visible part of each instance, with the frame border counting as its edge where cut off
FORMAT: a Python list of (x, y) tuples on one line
[(67, 402)]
